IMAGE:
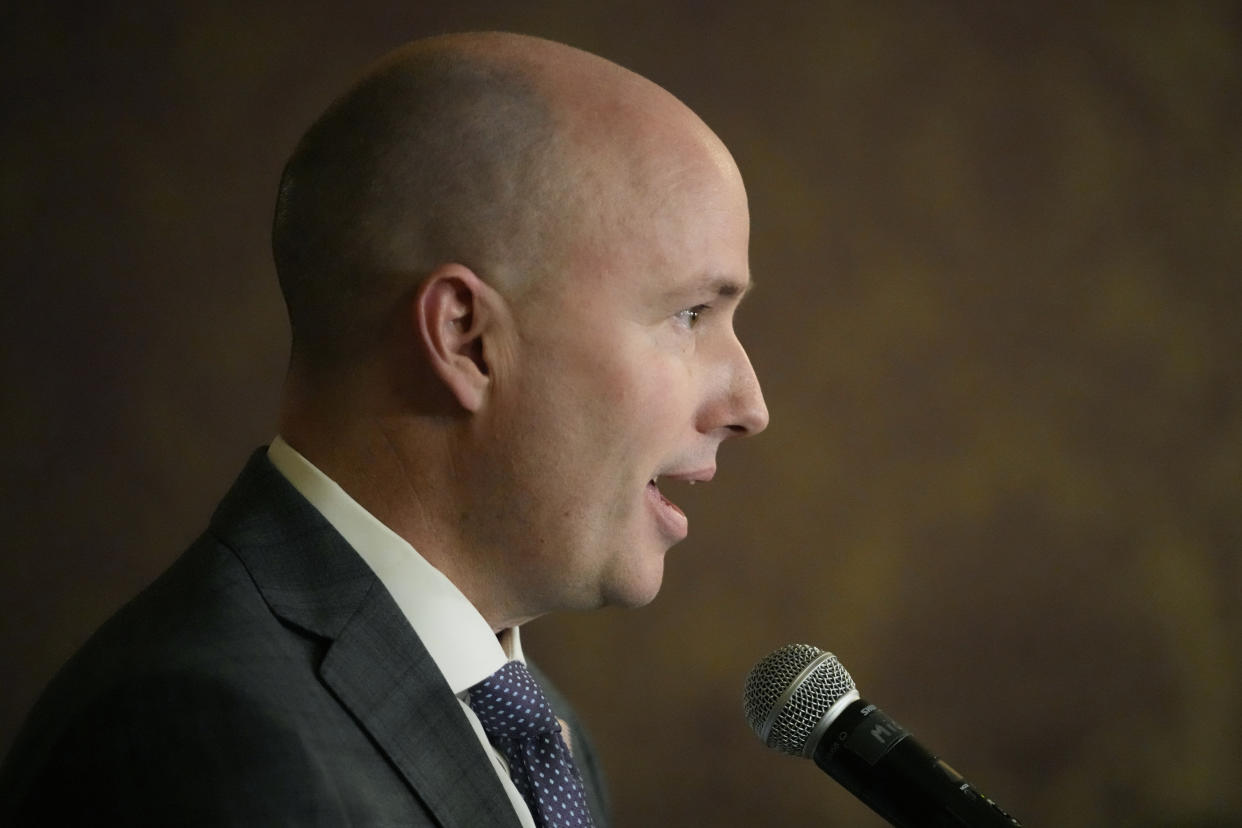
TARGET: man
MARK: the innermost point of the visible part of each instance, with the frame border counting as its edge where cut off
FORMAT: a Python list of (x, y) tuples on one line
[(511, 269)]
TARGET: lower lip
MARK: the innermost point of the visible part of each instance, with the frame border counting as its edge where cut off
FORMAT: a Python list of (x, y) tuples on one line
[(673, 522)]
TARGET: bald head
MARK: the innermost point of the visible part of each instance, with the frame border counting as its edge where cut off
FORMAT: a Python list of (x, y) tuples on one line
[(496, 151), (425, 160)]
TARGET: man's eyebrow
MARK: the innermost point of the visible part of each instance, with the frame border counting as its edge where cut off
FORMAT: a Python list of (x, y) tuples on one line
[(725, 287)]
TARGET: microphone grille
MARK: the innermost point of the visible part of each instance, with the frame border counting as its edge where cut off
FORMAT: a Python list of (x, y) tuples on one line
[(789, 692)]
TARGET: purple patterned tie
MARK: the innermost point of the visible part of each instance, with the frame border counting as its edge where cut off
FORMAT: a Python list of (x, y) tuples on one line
[(520, 723)]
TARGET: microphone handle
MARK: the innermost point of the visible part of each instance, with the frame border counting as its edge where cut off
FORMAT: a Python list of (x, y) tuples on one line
[(878, 761)]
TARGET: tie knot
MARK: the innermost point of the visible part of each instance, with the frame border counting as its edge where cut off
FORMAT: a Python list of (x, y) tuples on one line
[(520, 723), (510, 704)]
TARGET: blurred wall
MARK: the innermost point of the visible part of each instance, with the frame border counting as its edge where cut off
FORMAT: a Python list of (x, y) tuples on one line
[(997, 320)]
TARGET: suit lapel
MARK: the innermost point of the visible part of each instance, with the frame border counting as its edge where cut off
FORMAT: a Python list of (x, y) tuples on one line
[(375, 665), (382, 673)]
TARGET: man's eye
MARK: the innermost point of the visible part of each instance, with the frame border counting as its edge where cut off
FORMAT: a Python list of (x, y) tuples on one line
[(690, 316)]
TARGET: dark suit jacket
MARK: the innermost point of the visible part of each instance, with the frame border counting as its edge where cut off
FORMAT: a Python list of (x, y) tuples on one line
[(267, 678)]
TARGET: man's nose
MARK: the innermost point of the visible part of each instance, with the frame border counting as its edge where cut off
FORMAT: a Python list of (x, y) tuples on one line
[(748, 411)]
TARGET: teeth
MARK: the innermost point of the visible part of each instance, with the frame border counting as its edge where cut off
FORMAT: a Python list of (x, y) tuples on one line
[(655, 479)]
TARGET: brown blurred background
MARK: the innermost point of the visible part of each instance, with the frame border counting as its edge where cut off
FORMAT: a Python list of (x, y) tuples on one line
[(997, 321)]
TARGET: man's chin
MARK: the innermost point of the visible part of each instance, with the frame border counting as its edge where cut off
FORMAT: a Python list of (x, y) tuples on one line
[(635, 589)]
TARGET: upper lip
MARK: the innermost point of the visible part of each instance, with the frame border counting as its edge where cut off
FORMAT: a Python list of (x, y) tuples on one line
[(690, 476)]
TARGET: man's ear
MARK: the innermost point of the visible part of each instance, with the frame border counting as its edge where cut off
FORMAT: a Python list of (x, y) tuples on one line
[(453, 310)]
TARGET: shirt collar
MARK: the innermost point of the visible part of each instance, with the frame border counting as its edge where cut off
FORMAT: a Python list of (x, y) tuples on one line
[(456, 636)]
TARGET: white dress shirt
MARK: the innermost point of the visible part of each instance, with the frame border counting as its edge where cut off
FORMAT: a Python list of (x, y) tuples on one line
[(456, 636)]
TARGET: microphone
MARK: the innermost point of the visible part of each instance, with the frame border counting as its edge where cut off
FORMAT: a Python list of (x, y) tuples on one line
[(801, 701)]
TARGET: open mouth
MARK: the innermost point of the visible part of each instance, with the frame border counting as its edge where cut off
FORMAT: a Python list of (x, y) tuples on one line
[(654, 486), (670, 519)]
